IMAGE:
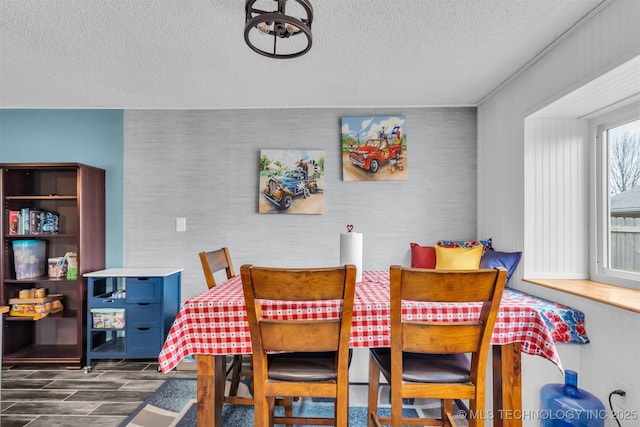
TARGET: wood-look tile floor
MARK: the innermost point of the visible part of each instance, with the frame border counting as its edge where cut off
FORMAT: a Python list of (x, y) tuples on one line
[(53, 396)]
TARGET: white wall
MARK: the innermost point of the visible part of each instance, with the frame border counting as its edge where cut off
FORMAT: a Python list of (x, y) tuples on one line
[(556, 183), (533, 193)]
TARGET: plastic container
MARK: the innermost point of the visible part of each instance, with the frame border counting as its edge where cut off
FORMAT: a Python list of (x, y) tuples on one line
[(57, 268), (108, 318), (72, 263), (565, 405), (29, 258)]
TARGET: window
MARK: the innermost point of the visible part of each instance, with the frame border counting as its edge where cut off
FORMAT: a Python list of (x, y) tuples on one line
[(617, 196)]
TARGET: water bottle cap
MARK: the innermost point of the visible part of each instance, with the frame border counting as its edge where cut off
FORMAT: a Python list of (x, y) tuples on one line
[(571, 378)]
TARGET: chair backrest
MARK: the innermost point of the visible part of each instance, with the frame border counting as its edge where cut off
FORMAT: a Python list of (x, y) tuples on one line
[(264, 284), (484, 286), (214, 261)]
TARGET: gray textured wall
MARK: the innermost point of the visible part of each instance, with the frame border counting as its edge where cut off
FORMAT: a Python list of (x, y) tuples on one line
[(203, 165)]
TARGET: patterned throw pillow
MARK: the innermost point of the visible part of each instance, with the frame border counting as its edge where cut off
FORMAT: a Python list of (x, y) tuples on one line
[(486, 244)]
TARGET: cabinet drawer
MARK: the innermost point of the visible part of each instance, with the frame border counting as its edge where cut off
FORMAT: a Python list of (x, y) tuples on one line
[(143, 314), (144, 340), (144, 289)]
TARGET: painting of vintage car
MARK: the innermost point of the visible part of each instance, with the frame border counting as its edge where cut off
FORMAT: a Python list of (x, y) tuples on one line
[(375, 153), (291, 181), (374, 148)]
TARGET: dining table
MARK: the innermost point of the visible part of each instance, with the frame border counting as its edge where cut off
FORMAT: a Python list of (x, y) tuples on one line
[(213, 325)]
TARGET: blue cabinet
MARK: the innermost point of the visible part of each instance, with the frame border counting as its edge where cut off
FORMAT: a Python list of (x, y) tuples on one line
[(130, 312)]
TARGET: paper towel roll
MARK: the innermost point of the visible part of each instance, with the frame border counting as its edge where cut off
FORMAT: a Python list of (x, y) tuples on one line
[(351, 251)]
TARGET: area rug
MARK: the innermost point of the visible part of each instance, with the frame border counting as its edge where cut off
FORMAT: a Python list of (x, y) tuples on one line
[(174, 405)]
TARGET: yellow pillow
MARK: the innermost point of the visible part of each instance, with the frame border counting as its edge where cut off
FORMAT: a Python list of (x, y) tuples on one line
[(458, 258)]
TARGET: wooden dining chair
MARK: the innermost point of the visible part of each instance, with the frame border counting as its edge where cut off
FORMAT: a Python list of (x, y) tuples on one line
[(212, 263), (438, 359), (215, 261), (305, 356)]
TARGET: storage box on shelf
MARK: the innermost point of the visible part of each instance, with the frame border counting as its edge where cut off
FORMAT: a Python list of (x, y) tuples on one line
[(28, 256), (130, 312), (107, 318), (49, 210)]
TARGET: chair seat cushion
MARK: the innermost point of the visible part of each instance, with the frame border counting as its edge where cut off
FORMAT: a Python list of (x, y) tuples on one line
[(319, 366), (426, 368)]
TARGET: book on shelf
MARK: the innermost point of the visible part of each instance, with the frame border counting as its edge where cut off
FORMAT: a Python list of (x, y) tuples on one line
[(28, 221), (23, 227), (14, 221), (35, 221), (49, 223)]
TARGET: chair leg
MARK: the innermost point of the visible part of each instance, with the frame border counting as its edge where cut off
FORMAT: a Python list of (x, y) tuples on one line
[(396, 400), (235, 375), (262, 409), (374, 387), (271, 403), (447, 409), (341, 403), (447, 406), (288, 408), (476, 408), (449, 420)]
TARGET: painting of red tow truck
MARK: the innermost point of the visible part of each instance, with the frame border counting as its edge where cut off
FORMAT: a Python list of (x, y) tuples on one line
[(374, 148)]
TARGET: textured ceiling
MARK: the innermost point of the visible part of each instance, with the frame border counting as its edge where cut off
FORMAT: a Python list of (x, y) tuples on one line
[(192, 54)]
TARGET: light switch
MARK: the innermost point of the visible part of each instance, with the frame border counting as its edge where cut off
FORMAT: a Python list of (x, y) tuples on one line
[(181, 224)]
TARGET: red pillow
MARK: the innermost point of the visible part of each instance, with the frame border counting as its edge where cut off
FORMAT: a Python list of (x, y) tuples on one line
[(423, 256)]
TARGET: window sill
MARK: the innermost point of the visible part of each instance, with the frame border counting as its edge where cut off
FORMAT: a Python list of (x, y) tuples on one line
[(617, 296)]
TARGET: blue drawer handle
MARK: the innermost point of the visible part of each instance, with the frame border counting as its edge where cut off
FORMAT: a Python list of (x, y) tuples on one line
[(143, 329), (143, 303), (143, 278)]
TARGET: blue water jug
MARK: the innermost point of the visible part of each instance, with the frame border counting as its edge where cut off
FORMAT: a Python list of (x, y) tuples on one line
[(565, 405)]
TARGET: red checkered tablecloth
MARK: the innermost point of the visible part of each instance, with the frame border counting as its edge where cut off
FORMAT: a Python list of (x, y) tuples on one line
[(215, 322)]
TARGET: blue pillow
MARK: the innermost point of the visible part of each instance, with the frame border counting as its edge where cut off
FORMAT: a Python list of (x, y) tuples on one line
[(507, 260)]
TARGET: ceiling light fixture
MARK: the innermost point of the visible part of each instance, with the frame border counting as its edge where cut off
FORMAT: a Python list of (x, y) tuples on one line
[(271, 32)]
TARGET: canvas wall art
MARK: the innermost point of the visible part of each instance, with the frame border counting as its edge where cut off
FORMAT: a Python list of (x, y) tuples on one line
[(291, 182), (374, 148)]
